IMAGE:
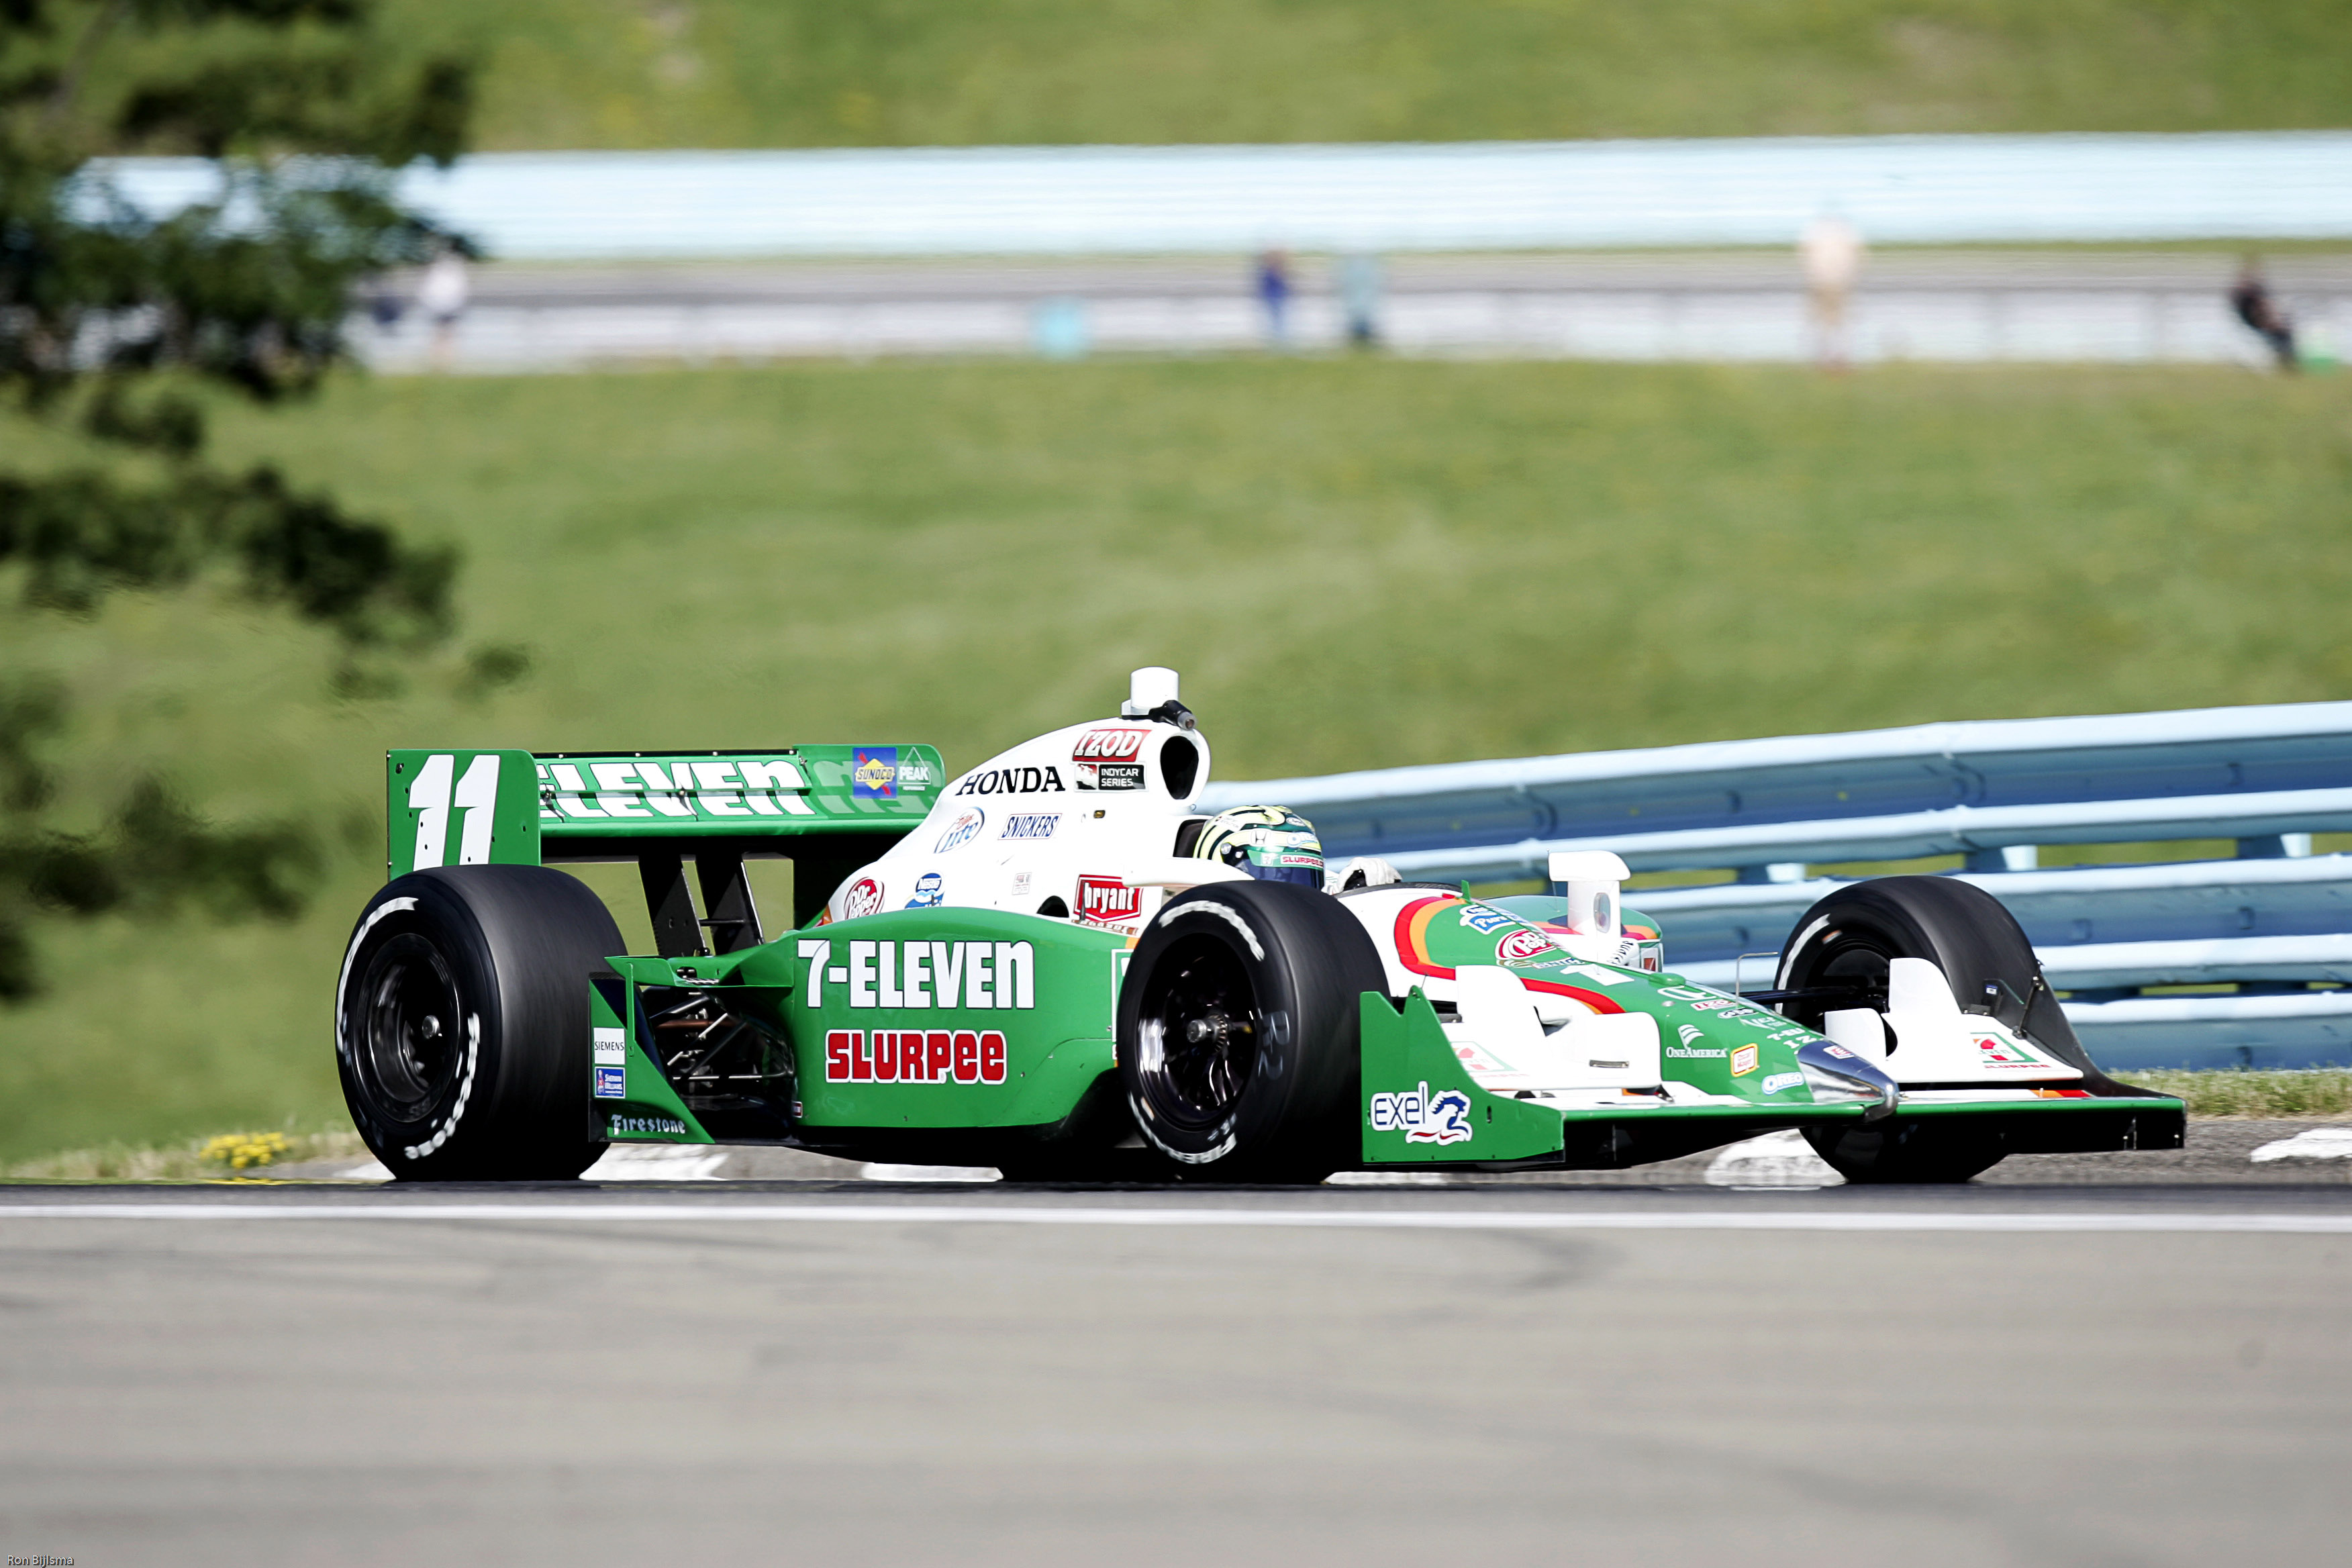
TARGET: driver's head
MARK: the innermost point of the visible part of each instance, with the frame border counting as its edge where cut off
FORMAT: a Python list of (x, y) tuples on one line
[(1271, 843)]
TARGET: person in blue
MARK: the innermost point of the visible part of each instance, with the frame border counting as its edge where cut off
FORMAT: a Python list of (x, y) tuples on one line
[(1274, 294)]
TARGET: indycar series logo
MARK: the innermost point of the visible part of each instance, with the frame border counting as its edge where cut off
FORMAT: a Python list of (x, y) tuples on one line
[(875, 775), (1105, 759), (962, 831), (1424, 1118), (918, 975), (914, 1056), (1107, 900)]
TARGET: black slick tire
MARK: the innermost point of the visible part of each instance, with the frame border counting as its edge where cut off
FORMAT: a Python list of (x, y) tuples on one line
[(461, 1023), (1239, 1032), (1847, 941)]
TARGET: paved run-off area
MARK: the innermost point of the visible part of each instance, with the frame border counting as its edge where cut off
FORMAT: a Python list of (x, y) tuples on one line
[(1001, 1376)]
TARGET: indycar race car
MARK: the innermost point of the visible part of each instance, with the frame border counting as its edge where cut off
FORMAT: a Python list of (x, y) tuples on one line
[(1052, 964)]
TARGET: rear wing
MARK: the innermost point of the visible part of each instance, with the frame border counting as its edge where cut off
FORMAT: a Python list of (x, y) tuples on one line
[(829, 810)]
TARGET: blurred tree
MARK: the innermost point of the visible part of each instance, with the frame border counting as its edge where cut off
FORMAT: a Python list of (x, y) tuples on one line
[(112, 321)]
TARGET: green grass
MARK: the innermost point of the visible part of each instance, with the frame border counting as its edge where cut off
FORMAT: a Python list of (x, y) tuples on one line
[(806, 73), (2316, 1093), (1355, 564)]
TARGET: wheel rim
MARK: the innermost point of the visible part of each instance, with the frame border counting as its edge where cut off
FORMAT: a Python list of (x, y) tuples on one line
[(1851, 958), (411, 1046), (1198, 1034)]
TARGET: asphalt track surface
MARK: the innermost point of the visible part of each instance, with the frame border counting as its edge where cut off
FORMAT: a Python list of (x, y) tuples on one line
[(866, 1373)]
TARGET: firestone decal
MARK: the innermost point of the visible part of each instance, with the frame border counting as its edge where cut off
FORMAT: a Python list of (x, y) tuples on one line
[(914, 1056), (865, 897), (875, 775), (614, 1126), (930, 888), (962, 831), (1424, 1118)]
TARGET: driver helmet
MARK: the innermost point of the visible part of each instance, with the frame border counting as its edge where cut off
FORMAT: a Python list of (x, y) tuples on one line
[(1271, 843)]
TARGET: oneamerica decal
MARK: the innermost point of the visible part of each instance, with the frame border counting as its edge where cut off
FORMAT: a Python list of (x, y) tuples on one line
[(972, 974)]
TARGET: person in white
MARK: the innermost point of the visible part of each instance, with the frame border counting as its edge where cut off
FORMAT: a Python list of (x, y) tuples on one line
[(442, 293), (1830, 252)]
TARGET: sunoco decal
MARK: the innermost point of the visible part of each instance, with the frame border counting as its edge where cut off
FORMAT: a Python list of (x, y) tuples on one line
[(918, 974), (1423, 1118), (874, 774), (914, 1056)]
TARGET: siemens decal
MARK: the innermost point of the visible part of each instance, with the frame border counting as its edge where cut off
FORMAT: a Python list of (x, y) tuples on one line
[(917, 975)]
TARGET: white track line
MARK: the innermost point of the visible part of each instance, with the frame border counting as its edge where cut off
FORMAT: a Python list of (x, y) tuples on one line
[(1313, 1219)]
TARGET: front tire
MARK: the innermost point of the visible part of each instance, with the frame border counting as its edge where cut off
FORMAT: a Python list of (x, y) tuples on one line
[(1238, 1032), (461, 1023), (1847, 940)]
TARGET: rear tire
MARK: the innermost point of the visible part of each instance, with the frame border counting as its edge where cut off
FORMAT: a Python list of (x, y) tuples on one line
[(1239, 1034), (461, 1023)]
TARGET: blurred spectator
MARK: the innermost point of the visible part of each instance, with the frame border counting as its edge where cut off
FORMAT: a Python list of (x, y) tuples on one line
[(1360, 299), (1830, 252), (385, 305), (1274, 294), (442, 293), (2251, 297)]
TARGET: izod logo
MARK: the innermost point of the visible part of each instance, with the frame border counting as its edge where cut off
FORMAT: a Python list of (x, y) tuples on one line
[(1108, 745)]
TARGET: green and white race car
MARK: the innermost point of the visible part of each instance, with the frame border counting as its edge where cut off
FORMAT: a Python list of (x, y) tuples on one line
[(1052, 964)]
